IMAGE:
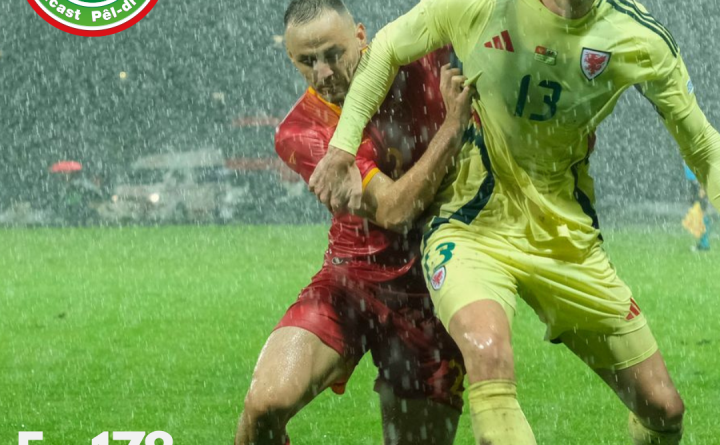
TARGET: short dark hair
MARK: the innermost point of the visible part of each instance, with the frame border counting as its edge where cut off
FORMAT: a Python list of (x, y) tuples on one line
[(303, 11)]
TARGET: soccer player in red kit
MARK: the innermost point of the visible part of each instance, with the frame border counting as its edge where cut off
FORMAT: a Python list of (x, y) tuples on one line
[(369, 294)]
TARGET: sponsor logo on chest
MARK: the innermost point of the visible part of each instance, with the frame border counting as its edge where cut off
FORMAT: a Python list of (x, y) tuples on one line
[(546, 55)]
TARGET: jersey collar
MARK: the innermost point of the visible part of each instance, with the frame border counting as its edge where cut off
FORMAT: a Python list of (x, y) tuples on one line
[(335, 108), (555, 19)]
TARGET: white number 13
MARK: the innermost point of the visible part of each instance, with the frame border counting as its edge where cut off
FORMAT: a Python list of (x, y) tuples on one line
[(135, 437)]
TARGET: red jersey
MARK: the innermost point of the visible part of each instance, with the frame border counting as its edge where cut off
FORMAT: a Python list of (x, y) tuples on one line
[(394, 140)]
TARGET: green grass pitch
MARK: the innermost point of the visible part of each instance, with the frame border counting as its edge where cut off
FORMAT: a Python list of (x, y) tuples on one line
[(145, 329)]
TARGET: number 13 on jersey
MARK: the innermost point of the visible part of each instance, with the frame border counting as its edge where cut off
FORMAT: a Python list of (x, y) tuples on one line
[(551, 99)]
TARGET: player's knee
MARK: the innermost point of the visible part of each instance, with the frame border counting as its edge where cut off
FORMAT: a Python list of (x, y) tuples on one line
[(663, 412), (267, 411), (487, 355), (674, 411), (482, 333)]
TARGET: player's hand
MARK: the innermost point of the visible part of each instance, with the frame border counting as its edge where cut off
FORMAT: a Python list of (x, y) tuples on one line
[(457, 96), (336, 181)]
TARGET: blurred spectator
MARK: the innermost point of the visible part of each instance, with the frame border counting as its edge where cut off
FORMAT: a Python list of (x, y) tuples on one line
[(697, 220), (74, 198)]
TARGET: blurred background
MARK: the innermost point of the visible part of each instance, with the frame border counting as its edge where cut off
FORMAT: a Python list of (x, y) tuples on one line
[(158, 328), (172, 120)]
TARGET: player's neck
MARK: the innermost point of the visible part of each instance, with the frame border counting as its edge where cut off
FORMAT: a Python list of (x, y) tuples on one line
[(569, 9)]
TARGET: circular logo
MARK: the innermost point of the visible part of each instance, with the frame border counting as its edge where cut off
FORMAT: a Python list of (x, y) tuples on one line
[(92, 18), (438, 278)]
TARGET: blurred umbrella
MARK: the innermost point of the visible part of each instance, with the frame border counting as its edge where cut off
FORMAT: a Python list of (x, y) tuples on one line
[(66, 167)]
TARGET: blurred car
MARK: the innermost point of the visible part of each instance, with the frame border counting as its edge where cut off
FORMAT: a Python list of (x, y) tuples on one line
[(168, 188), (24, 214)]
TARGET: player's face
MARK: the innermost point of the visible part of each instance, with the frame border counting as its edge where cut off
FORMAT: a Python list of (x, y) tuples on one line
[(327, 51)]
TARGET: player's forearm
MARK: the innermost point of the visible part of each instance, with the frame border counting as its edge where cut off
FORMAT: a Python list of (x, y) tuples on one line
[(370, 85), (705, 162), (399, 43), (408, 197), (700, 146)]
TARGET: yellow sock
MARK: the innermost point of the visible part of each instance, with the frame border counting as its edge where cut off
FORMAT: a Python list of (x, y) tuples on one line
[(644, 436), (496, 415)]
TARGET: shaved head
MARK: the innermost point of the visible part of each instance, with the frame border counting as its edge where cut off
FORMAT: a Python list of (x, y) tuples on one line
[(300, 12)]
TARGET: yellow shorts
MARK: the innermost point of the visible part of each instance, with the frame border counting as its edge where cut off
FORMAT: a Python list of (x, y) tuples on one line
[(582, 302)]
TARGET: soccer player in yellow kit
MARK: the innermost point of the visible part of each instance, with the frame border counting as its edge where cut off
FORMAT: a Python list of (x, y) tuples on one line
[(515, 214)]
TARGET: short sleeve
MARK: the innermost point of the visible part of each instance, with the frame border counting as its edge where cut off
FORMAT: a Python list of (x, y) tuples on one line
[(366, 163), (301, 150)]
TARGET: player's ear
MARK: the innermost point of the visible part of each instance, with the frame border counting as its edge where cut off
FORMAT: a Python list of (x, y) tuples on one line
[(287, 51), (286, 42), (361, 35)]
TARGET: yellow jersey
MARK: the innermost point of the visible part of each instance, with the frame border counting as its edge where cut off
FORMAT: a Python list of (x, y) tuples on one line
[(545, 83)]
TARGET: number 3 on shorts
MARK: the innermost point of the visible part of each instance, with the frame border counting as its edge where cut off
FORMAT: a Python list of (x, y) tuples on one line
[(446, 251)]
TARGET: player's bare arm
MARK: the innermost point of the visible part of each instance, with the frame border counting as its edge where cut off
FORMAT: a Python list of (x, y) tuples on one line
[(336, 181), (395, 205), (332, 181)]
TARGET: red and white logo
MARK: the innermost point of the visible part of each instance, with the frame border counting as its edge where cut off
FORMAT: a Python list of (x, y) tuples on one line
[(594, 62), (438, 278), (634, 310), (502, 42)]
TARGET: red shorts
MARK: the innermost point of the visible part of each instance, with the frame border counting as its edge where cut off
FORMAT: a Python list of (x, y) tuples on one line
[(411, 349)]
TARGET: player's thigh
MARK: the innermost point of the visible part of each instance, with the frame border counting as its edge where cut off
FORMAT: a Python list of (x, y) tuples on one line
[(581, 294), (460, 269), (294, 366), (420, 376), (473, 288), (415, 421), (416, 357), (611, 352)]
